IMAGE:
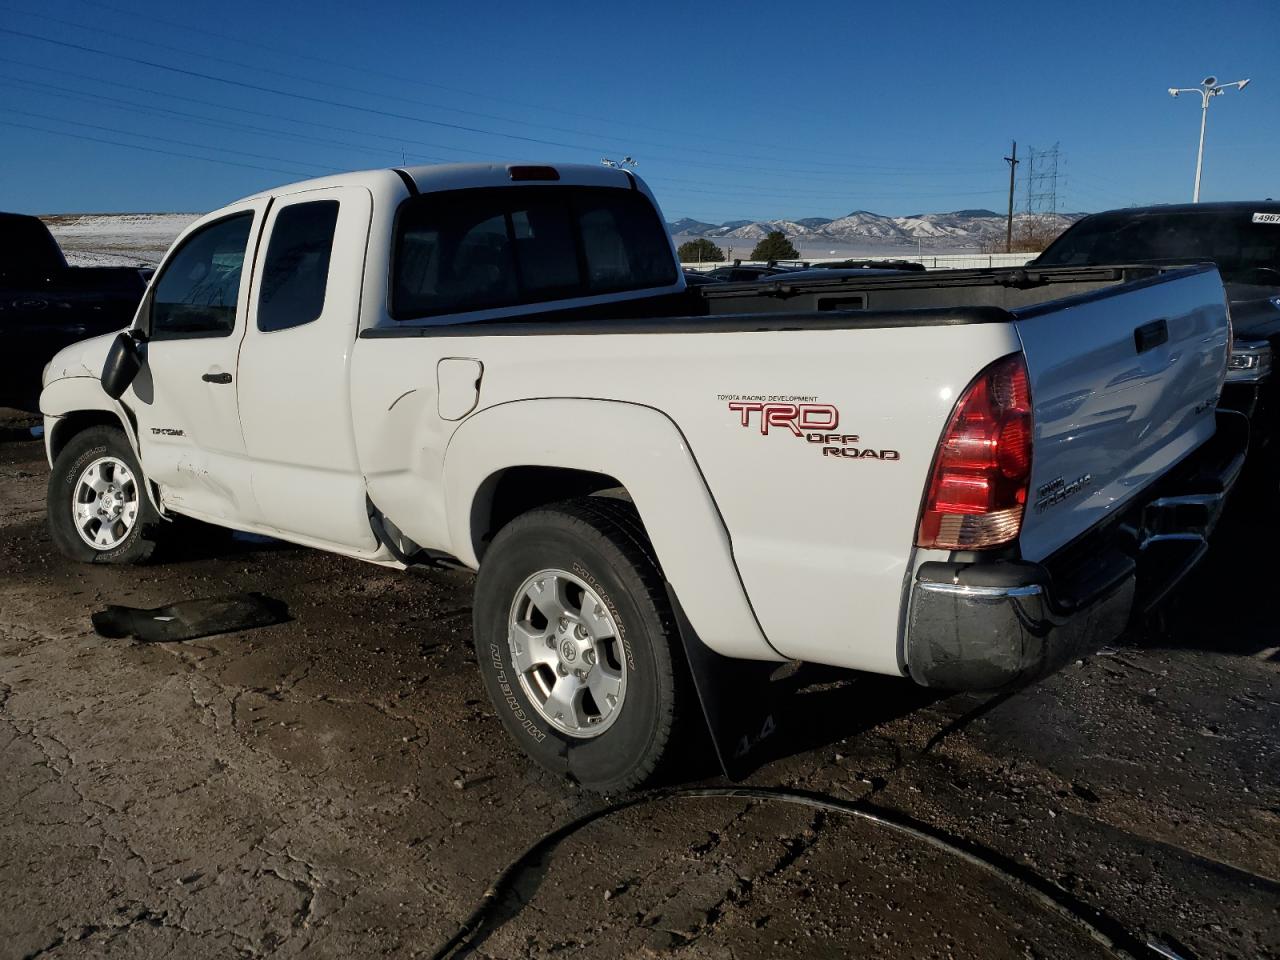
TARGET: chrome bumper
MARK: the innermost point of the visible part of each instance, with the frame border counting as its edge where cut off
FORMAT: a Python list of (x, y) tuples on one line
[(986, 625), (964, 637)]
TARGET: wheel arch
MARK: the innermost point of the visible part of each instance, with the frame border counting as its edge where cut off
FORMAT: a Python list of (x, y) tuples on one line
[(510, 491), (507, 457), (77, 403), (72, 405)]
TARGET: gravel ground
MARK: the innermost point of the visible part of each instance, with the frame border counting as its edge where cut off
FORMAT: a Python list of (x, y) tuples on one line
[(338, 786)]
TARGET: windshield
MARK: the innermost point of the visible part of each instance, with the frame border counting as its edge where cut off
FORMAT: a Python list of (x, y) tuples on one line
[(1239, 246)]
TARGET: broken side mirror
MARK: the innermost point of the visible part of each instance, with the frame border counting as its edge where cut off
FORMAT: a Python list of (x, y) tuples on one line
[(124, 361)]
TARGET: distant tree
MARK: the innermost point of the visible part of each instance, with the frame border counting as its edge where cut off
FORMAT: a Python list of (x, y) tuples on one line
[(1031, 234), (775, 246), (700, 250)]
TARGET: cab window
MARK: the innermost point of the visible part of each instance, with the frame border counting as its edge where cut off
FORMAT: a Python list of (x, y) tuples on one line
[(196, 293)]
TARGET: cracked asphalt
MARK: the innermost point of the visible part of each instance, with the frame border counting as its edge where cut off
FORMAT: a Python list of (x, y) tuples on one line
[(338, 785)]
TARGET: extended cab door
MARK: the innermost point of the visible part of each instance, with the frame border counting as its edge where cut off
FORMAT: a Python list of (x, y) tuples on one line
[(295, 398), (185, 395)]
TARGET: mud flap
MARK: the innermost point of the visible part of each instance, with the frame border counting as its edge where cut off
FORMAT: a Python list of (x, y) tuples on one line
[(191, 618), (736, 698)]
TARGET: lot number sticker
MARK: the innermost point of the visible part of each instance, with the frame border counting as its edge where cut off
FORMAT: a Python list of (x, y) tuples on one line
[(1266, 218)]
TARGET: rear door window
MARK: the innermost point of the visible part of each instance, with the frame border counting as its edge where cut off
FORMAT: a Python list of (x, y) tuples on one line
[(467, 250), (295, 272)]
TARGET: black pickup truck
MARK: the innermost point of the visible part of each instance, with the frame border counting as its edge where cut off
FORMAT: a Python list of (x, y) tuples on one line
[(1243, 239), (46, 304)]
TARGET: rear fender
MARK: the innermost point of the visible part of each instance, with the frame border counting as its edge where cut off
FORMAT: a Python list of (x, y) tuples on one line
[(645, 451)]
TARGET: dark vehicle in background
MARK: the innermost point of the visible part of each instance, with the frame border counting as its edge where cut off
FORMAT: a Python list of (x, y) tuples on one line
[(746, 272), (909, 266), (839, 273), (750, 272), (46, 305), (1243, 239)]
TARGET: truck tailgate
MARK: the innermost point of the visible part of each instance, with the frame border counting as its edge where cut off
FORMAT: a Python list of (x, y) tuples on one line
[(1124, 384)]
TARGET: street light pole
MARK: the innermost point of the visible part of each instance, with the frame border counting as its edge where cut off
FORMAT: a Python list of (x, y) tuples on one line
[(1209, 87), (1204, 119)]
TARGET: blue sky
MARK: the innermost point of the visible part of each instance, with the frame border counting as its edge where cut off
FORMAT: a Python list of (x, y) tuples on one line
[(746, 110)]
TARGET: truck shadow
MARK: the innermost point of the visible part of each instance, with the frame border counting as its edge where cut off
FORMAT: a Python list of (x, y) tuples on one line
[(814, 706), (1228, 604), (197, 541)]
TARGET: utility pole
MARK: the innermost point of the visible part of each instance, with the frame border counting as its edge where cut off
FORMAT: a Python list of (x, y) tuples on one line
[(1013, 166)]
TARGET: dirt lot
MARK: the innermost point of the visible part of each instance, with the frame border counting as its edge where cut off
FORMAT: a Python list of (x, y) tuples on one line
[(338, 785)]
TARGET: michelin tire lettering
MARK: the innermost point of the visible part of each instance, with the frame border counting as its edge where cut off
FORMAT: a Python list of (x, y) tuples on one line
[(508, 695), (603, 594)]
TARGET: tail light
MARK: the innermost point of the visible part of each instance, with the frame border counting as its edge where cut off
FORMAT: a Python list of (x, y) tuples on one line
[(978, 490)]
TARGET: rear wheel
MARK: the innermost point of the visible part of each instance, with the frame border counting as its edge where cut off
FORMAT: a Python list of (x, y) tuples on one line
[(577, 644), (98, 507)]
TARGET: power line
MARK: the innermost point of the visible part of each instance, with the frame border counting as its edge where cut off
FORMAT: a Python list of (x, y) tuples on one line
[(204, 32), (238, 110), (50, 89), (735, 194), (259, 88), (864, 196), (679, 190), (362, 91), (135, 146), (181, 143), (136, 107), (897, 169), (404, 140)]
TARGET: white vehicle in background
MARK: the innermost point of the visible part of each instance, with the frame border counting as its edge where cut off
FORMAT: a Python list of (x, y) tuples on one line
[(963, 479)]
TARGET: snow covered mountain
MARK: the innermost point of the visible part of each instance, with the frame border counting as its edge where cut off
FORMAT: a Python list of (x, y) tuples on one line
[(958, 229), (141, 239)]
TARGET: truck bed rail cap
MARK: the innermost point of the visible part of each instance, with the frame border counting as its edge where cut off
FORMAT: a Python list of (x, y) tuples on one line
[(548, 324)]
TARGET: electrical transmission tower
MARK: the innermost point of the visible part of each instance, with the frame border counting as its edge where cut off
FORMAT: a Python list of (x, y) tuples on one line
[(1042, 182)]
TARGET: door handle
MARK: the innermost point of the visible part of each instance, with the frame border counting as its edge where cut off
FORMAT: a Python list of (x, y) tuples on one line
[(216, 378), (1151, 335)]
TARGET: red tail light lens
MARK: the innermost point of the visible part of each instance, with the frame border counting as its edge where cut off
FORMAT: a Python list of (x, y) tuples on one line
[(978, 490)]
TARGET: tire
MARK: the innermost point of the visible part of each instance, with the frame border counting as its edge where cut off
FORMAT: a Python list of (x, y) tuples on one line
[(134, 534), (601, 548)]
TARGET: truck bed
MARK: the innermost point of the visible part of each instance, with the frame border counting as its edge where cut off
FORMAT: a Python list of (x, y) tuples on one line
[(916, 299), (1111, 414)]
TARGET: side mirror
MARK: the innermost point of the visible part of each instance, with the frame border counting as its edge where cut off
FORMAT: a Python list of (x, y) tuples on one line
[(124, 361)]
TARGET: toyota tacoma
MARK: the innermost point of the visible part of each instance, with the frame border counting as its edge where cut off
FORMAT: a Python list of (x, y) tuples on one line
[(963, 479)]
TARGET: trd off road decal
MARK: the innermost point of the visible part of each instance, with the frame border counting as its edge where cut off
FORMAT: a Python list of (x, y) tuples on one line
[(805, 418)]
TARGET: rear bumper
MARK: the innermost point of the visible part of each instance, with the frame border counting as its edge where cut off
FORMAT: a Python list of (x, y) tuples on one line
[(987, 625)]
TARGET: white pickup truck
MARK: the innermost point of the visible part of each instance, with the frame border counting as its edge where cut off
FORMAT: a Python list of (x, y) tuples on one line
[(960, 478)]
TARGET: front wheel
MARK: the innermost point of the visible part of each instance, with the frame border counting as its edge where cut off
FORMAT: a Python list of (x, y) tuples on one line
[(577, 644), (98, 507)]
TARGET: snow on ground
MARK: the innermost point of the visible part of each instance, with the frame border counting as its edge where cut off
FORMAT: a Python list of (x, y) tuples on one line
[(116, 239)]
